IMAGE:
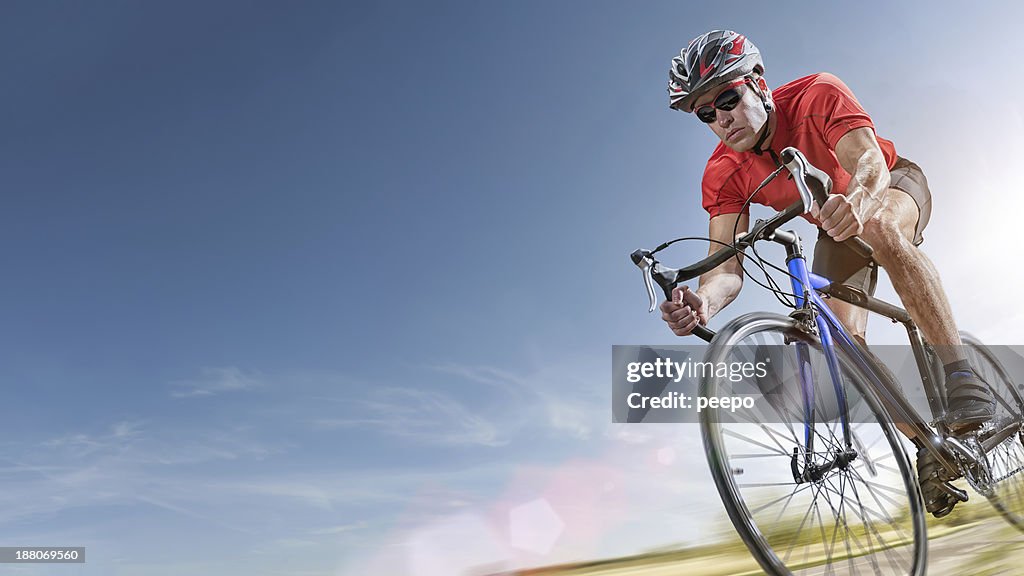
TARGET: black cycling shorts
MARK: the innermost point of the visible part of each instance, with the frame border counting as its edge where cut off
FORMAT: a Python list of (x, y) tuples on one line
[(839, 263)]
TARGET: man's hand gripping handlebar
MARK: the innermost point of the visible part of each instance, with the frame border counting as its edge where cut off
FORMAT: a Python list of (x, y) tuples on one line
[(813, 185)]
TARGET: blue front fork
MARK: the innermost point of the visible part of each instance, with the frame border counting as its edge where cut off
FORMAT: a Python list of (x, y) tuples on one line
[(805, 287)]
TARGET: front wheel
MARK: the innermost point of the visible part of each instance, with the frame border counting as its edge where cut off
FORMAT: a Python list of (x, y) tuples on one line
[(836, 497)]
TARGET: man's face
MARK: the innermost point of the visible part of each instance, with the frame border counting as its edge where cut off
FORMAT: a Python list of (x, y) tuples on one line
[(737, 128)]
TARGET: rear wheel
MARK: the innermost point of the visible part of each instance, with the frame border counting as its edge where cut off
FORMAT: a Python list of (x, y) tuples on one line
[(859, 508), (1003, 437)]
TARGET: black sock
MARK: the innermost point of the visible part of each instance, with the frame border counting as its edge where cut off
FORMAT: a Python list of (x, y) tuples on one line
[(958, 366)]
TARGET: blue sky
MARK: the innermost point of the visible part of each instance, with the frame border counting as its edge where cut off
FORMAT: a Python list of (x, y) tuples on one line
[(324, 288)]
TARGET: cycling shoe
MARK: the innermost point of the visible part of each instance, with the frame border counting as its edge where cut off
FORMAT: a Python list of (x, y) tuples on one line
[(938, 499), (971, 403)]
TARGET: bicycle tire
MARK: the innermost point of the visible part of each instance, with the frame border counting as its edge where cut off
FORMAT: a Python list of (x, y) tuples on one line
[(904, 554), (1006, 460)]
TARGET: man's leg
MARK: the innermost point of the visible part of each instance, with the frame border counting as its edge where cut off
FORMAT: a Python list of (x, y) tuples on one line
[(840, 264), (891, 232), (854, 319)]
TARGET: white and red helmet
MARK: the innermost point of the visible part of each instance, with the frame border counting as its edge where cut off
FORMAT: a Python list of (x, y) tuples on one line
[(709, 61)]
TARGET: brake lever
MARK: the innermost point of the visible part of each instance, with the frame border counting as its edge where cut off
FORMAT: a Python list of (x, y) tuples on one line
[(645, 269), (649, 267), (815, 186), (798, 165), (647, 264)]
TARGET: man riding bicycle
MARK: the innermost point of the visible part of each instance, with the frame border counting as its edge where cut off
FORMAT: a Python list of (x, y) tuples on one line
[(879, 196)]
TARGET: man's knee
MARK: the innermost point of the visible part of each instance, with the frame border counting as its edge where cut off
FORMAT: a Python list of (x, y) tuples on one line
[(892, 228)]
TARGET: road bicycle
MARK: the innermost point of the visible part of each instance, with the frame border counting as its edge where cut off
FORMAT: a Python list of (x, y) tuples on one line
[(819, 481)]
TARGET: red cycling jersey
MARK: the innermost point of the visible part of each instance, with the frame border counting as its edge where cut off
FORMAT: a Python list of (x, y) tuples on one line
[(813, 113)]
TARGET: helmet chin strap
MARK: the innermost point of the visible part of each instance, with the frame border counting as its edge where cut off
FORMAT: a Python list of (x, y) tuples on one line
[(765, 133)]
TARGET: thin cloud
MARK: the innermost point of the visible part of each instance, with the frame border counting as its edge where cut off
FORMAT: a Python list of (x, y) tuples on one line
[(421, 415), (574, 418), (469, 405), (333, 530), (215, 381), (481, 374), (307, 493), (557, 397), (121, 435), (422, 494), (125, 465), (126, 429), (178, 509)]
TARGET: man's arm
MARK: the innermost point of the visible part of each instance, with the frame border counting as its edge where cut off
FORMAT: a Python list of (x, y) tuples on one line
[(721, 285), (718, 287), (858, 153)]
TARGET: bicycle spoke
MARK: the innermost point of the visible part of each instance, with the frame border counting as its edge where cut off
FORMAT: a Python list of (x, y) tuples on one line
[(848, 535), (846, 541), (787, 497), (867, 534), (775, 434), (852, 534), (821, 529), (868, 448), (881, 507), (772, 455), (889, 551), (887, 468), (803, 521), (752, 441)]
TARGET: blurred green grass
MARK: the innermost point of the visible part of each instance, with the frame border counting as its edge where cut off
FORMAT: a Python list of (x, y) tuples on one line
[(730, 557)]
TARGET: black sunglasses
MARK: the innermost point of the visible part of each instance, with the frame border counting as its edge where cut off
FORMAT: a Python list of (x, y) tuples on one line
[(727, 100)]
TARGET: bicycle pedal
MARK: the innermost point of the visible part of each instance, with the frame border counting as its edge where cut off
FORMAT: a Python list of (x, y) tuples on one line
[(952, 491), (941, 497), (944, 511)]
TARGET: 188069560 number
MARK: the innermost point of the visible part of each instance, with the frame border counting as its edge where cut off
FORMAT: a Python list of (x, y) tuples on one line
[(41, 554)]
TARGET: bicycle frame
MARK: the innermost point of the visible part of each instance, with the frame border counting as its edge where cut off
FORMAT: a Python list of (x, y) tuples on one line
[(808, 289)]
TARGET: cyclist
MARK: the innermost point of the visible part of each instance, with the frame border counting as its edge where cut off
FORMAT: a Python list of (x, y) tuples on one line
[(877, 195)]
